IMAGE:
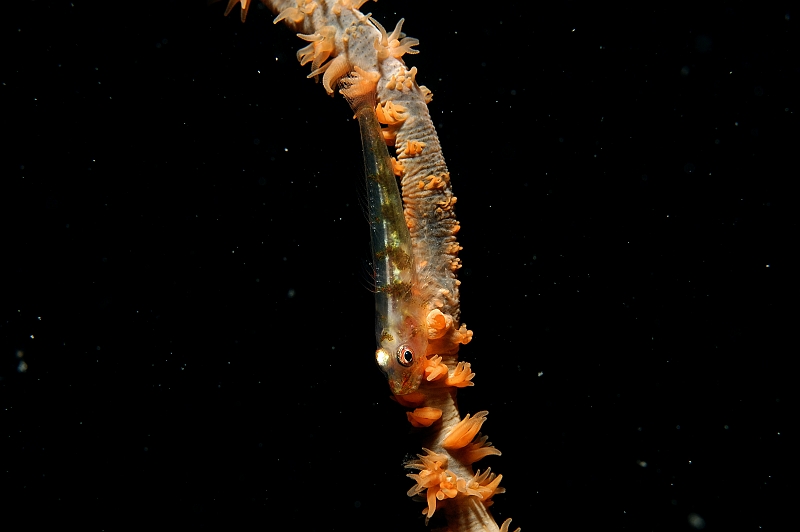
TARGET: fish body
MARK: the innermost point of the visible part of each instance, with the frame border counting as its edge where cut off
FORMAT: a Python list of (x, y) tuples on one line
[(399, 312)]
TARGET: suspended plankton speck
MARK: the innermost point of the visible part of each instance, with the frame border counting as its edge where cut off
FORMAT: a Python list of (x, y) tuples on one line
[(696, 521)]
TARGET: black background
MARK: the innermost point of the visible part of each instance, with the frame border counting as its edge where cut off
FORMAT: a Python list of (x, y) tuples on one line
[(185, 256)]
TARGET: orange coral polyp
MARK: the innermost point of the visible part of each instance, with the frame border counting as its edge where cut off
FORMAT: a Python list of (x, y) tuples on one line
[(435, 369), (397, 167), (438, 323), (466, 429), (297, 14), (448, 486), (431, 499), (245, 7), (390, 113), (323, 44), (424, 417), (462, 376), (440, 483), (413, 148), (359, 86), (410, 400), (478, 449)]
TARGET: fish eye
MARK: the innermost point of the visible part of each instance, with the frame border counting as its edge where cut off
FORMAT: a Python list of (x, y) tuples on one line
[(405, 356)]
